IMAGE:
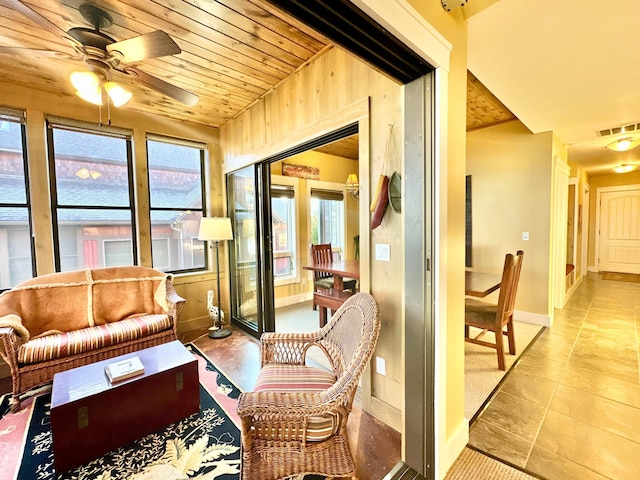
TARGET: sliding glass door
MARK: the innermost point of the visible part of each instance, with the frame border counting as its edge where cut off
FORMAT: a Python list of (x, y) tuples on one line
[(250, 258)]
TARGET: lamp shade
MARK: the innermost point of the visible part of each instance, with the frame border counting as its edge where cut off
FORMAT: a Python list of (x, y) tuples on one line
[(215, 229), (352, 181)]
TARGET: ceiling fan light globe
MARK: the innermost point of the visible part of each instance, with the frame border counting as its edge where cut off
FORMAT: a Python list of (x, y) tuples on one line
[(92, 96), (118, 95), (84, 81)]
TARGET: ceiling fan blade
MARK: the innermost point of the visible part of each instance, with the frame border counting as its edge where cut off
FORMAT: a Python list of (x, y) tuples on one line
[(160, 86), (148, 45), (39, 19)]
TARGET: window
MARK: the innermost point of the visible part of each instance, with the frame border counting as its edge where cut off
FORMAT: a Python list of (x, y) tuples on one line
[(92, 192), (327, 219), (283, 225), (176, 190), (16, 243)]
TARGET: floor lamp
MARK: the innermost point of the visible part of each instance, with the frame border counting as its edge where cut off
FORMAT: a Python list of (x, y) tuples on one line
[(216, 230)]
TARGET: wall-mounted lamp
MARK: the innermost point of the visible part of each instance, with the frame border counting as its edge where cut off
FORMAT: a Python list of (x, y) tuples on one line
[(352, 186), (625, 168), (624, 144)]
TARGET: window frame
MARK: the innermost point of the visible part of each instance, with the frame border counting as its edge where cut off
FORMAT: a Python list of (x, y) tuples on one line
[(53, 123), (292, 183), (19, 117), (332, 187), (203, 195)]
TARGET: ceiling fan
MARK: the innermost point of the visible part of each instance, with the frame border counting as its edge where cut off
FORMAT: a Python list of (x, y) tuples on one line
[(102, 55)]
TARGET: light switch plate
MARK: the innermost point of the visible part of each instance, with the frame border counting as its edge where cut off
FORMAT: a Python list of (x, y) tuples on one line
[(383, 252), (381, 366)]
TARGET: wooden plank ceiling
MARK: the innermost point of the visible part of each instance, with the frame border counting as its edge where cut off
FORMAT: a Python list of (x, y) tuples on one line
[(483, 108), (233, 51)]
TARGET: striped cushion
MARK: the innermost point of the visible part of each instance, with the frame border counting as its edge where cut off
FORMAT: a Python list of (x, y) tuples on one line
[(296, 378), (66, 344)]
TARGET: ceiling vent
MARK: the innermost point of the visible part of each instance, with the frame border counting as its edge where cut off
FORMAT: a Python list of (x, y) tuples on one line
[(615, 130)]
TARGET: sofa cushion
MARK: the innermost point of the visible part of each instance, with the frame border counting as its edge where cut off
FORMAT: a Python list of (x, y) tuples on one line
[(66, 344), (301, 378)]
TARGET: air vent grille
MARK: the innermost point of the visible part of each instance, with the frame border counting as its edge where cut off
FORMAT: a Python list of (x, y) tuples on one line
[(624, 129)]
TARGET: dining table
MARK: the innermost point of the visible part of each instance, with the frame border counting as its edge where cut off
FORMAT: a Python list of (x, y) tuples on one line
[(481, 284), (339, 269)]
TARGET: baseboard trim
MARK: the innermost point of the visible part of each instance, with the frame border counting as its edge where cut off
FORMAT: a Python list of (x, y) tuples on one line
[(197, 323), (292, 300), (453, 448), (386, 413), (573, 288), (533, 318)]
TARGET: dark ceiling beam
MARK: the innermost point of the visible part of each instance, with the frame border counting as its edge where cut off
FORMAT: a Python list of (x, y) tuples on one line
[(352, 29)]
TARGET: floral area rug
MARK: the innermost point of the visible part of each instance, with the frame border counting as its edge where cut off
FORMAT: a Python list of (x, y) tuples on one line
[(204, 446)]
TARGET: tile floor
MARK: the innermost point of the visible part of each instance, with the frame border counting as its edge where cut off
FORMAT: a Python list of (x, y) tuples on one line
[(570, 409)]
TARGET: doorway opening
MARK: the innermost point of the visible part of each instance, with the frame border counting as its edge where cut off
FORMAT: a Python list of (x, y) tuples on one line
[(279, 207)]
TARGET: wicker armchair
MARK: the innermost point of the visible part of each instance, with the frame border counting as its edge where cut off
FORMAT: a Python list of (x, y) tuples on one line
[(278, 420)]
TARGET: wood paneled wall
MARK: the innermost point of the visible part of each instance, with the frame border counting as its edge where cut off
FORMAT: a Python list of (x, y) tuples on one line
[(333, 90)]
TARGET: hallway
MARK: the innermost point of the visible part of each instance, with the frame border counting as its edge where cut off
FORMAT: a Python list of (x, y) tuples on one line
[(570, 409)]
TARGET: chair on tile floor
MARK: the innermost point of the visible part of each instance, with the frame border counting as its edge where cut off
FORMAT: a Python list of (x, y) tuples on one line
[(295, 420), (494, 318)]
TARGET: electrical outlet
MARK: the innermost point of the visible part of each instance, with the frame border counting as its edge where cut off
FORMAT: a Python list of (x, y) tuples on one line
[(381, 366), (525, 236)]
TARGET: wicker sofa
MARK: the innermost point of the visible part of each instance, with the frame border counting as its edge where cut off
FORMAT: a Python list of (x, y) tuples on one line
[(64, 320)]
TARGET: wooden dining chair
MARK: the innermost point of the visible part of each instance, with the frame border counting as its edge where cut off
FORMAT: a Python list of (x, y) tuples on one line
[(494, 318), (323, 253)]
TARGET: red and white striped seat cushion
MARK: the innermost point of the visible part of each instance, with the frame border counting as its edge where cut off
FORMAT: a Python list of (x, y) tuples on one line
[(301, 378), (66, 344)]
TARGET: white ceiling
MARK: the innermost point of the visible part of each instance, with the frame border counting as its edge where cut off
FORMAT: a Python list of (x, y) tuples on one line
[(570, 66)]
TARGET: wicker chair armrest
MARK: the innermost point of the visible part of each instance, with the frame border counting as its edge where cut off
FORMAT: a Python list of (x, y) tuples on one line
[(286, 348), (175, 301), (9, 345), (287, 406)]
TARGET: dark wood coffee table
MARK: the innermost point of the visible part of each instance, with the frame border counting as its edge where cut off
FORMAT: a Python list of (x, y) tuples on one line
[(90, 416)]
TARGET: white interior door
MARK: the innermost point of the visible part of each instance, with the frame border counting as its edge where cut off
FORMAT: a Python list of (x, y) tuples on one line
[(620, 231)]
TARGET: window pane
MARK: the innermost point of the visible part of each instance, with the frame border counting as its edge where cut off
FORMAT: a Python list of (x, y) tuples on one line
[(175, 240), (327, 222), (90, 169), (175, 191), (15, 232), (174, 175), (117, 253), (93, 190), (18, 253), (283, 226), (84, 233), (11, 164)]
